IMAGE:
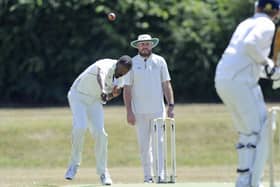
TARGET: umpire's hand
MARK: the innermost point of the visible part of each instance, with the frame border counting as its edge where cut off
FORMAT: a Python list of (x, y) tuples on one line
[(130, 118), (170, 111)]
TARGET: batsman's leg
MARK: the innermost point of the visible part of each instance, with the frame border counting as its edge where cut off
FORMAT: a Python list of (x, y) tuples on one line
[(261, 155), (246, 151), (262, 142), (249, 113)]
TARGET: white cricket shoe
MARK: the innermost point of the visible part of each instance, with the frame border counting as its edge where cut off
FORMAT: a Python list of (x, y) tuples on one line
[(148, 179), (241, 184), (106, 179), (71, 172), (243, 181)]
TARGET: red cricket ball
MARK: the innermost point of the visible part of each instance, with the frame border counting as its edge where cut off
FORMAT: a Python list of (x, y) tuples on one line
[(111, 16)]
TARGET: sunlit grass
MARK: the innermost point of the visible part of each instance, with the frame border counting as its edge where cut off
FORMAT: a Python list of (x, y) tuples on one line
[(40, 137)]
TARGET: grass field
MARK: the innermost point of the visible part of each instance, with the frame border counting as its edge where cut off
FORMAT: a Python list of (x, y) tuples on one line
[(35, 147)]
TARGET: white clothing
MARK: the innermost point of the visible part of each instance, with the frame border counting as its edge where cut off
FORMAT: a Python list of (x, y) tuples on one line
[(87, 116), (247, 51), (147, 99), (236, 82), (87, 83), (245, 103), (144, 136), (87, 109), (239, 70), (146, 78)]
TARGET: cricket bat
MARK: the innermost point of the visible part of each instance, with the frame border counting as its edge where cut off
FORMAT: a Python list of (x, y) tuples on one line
[(276, 55)]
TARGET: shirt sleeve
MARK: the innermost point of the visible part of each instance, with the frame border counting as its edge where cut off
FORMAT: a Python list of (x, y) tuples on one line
[(259, 38), (119, 82), (164, 71), (128, 79)]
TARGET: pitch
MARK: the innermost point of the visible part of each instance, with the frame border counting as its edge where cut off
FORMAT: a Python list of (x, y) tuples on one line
[(162, 185)]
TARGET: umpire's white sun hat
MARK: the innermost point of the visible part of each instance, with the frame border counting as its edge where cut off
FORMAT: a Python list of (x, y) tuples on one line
[(144, 38)]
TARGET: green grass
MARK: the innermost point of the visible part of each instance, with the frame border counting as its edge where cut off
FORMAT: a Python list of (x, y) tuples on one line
[(30, 137), (35, 146), (40, 137)]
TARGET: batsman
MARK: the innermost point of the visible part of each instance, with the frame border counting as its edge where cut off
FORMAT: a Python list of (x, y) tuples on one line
[(243, 63)]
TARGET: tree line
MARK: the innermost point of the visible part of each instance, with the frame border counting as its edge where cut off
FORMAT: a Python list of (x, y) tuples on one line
[(45, 44)]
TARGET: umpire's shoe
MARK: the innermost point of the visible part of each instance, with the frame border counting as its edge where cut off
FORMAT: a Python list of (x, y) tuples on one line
[(105, 179), (71, 172)]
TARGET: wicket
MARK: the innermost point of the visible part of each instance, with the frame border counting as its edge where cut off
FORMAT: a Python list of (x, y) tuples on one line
[(159, 134), (272, 128)]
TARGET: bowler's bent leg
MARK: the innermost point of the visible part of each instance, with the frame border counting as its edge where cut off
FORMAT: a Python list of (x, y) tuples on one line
[(100, 136)]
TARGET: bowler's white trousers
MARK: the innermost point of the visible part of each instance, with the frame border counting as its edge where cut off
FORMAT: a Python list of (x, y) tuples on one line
[(144, 134), (88, 112)]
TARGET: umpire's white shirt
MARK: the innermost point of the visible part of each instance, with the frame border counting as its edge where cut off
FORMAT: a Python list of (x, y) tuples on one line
[(87, 83), (247, 51), (146, 78)]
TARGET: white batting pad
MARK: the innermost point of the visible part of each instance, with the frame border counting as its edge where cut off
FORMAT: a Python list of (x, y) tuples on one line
[(246, 151), (261, 155)]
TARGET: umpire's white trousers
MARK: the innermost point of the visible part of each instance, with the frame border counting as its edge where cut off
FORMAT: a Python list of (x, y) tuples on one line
[(144, 135), (87, 112)]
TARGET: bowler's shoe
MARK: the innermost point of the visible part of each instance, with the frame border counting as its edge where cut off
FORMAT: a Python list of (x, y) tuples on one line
[(71, 172)]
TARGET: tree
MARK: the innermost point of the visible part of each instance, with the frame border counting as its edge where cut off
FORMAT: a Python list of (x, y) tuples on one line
[(46, 44)]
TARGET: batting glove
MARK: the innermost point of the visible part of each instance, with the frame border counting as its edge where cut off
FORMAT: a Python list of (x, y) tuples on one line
[(269, 68), (276, 74), (104, 98)]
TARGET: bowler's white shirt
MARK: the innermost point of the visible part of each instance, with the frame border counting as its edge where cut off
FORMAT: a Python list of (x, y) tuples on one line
[(87, 83), (145, 79), (248, 49)]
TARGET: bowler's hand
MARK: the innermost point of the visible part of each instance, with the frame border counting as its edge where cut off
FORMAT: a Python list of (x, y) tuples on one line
[(104, 97), (170, 112), (130, 118)]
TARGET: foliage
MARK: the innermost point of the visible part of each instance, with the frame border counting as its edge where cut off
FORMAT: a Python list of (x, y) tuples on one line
[(45, 44)]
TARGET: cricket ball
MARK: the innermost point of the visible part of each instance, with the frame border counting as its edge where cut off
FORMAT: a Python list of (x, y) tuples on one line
[(111, 16)]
